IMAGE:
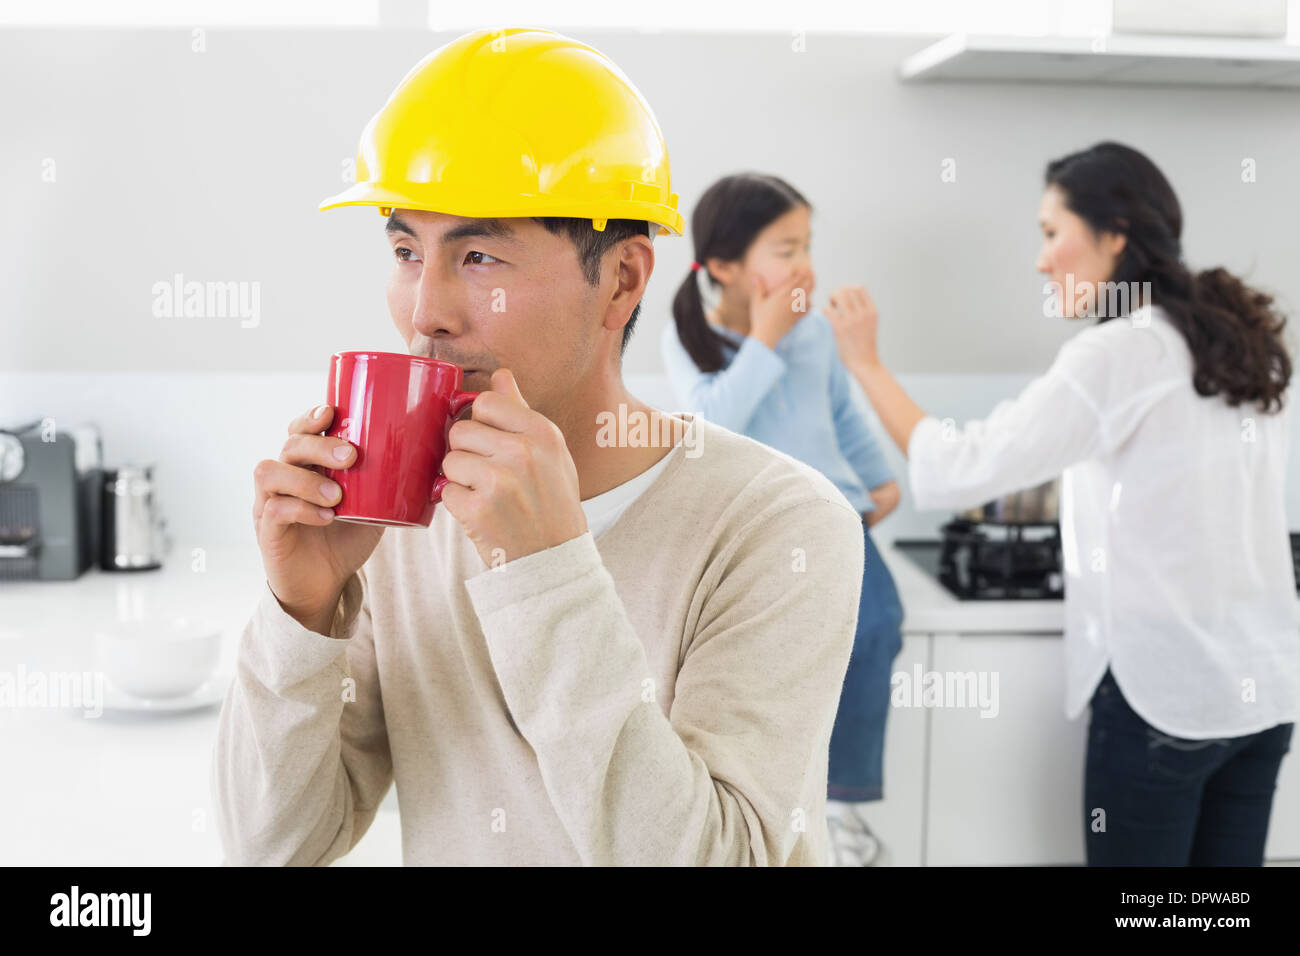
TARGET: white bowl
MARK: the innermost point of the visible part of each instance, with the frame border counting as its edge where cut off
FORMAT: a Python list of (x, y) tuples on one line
[(158, 658)]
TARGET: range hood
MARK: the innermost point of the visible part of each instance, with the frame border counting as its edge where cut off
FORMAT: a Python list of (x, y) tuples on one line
[(1117, 58)]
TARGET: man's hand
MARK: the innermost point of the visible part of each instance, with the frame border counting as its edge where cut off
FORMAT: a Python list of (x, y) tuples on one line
[(308, 555), (853, 318), (512, 483)]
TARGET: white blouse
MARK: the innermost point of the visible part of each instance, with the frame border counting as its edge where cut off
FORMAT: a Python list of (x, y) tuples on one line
[(1177, 560)]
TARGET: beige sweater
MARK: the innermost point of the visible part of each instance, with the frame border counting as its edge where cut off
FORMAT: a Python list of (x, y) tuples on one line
[(663, 695)]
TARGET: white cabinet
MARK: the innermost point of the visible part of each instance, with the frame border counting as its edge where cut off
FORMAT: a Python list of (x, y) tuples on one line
[(961, 789), (1005, 789), (1008, 790), (898, 819)]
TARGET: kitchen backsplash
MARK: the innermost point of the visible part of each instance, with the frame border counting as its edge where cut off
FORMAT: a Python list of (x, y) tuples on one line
[(206, 431)]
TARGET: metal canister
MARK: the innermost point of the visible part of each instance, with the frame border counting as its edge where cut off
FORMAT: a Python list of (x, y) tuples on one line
[(134, 532)]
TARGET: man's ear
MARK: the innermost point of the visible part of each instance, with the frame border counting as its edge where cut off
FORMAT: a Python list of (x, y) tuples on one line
[(632, 268)]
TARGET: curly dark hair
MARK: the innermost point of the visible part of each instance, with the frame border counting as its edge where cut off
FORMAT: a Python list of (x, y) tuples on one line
[(1233, 331)]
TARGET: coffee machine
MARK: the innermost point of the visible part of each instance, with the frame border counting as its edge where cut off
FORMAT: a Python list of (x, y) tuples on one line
[(50, 503)]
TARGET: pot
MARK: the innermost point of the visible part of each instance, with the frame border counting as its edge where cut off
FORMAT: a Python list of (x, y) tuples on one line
[(1037, 505)]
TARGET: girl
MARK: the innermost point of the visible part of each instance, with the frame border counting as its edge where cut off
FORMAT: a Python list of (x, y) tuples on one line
[(761, 364), (1164, 417)]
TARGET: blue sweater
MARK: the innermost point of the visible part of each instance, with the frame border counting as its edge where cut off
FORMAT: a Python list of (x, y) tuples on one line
[(795, 398)]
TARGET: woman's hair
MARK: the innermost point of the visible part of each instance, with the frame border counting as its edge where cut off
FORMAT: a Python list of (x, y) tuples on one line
[(1233, 332), (727, 219)]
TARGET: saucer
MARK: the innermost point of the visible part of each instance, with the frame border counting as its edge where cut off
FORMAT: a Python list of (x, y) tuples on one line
[(210, 692)]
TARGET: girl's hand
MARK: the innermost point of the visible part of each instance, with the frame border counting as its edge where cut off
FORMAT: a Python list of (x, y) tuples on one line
[(886, 498), (854, 319), (773, 314)]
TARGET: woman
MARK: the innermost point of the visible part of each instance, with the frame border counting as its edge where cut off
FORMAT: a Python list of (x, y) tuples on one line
[(1164, 420), (761, 364)]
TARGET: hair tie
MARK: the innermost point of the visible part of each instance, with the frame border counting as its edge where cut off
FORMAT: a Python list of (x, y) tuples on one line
[(695, 266)]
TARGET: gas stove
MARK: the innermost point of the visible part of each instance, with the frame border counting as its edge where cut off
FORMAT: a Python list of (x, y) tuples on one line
[(993, 562), (1003, 562)]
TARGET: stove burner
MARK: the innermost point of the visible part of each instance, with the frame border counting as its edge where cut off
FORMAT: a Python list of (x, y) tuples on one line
[(1001, 562)]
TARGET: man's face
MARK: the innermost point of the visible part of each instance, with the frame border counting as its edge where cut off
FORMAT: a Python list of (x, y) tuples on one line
[(491, 293)]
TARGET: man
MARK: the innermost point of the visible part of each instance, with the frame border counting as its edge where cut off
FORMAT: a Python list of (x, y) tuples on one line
[(606, 649)]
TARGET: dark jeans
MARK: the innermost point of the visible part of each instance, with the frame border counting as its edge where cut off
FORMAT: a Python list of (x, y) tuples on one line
[(1168, 801), (856, 771)]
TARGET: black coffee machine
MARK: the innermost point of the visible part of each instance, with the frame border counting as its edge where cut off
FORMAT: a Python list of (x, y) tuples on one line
[(50, 501)]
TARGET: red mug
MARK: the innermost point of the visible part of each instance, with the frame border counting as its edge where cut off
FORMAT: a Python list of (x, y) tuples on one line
[(396, 409)]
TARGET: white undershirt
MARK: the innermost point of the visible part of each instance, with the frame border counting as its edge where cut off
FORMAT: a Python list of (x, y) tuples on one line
[(1177, 563), (606, 508)]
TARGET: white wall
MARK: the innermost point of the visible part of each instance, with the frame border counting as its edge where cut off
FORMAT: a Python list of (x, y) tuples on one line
[(211, 165), (205, 448)]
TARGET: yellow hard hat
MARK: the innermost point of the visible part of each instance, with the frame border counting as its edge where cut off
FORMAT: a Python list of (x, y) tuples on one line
[(516, 122)]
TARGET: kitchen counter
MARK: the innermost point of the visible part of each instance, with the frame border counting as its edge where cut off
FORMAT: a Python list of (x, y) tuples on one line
[(124, 788), (133, 788), (929, 608)]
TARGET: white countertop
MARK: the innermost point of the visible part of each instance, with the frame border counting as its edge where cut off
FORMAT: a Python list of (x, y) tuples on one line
[(133, 789), (929, 608), (123, 789)]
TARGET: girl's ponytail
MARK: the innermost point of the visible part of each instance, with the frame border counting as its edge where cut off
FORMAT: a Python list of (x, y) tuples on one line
[(702, 343)]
